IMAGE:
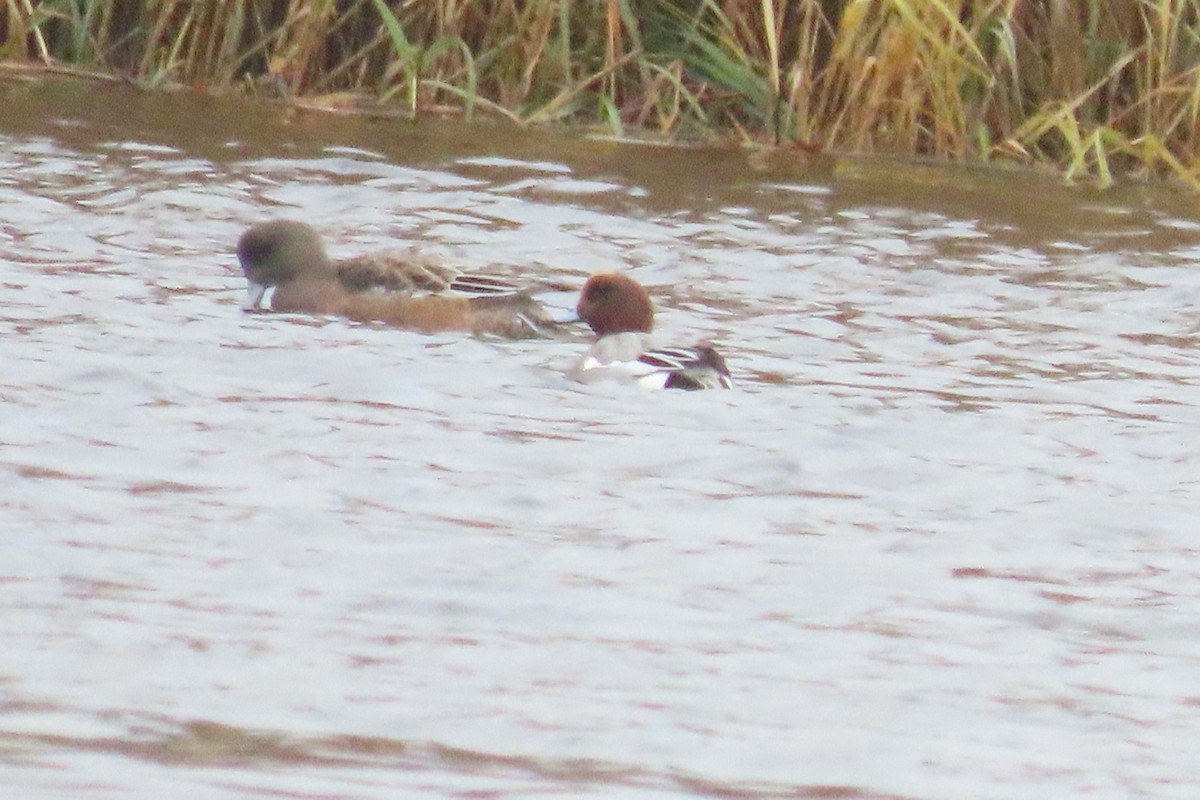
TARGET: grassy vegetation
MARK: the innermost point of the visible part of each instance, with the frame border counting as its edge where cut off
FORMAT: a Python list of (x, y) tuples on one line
[(1097, 87)]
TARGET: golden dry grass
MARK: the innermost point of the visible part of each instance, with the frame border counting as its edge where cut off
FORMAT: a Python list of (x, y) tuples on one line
[(1098, 87)]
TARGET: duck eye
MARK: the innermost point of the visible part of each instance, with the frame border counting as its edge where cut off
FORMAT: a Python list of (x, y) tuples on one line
[(600, 292), (253, 249)]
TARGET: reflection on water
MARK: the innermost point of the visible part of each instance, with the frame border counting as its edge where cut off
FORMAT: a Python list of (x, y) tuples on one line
[(937, 544)]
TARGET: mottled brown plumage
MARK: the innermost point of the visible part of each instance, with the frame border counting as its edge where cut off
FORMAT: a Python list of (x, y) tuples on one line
[(403, 289)]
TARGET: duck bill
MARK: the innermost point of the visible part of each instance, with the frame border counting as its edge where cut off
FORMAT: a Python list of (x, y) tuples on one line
[(254, 296)]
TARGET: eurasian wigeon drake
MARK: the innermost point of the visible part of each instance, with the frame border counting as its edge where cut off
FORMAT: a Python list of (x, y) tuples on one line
[(405, 290), (619, 310)]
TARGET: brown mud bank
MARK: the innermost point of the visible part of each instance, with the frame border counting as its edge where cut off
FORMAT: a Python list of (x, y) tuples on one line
[(1097, 89)]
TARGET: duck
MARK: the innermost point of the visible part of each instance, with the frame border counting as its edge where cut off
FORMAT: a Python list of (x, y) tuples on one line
[(288, 270), (619, 310)]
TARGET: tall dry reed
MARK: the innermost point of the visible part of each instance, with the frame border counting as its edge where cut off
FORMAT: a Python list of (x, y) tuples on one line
[(1096, 86)]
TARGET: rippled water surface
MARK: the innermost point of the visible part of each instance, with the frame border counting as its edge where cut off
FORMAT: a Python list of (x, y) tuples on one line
[(941, 541)]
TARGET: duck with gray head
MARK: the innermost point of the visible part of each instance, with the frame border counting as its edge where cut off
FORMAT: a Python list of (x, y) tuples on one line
[(288, 270)]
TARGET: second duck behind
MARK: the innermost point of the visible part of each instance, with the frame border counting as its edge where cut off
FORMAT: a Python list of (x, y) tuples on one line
[(406, 289)]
